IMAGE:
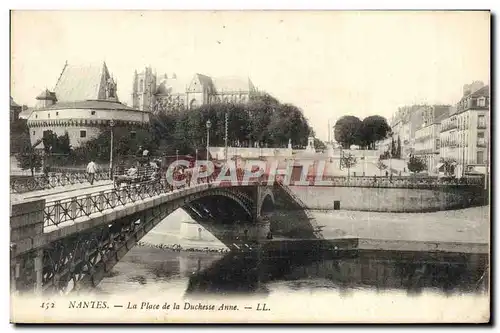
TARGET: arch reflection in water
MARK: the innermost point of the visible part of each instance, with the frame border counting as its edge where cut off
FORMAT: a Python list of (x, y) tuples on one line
[(259, 272)]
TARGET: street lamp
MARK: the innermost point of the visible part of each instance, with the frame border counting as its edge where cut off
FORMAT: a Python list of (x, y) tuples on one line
[(225, 137), (209, 124), (463, 155), (390, 155), (111, 125)]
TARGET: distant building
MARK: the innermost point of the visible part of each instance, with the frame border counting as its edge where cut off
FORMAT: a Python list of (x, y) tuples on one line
[(83, 103), (427, 137), (15, 110), (404, 124), (168, 93), (465, 132)]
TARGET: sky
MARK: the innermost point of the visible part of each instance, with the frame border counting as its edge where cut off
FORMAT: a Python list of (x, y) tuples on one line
[(328, 63)]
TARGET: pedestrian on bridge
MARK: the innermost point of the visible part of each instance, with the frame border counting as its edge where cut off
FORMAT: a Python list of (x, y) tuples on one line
[(91, 170)]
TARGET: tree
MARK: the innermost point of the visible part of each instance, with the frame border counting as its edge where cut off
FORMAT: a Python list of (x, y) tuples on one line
[(125, 142), (398, 148), (449, 166), (373, 129), (348, 161), (264, 121), (29, 159), (393, 148), (56, 144), (347, 131), (19, 135), (381, 166), (288, 122), (319, 145), (416, 164)]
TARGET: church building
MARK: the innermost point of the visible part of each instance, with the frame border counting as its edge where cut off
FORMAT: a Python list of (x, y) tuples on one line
[(83, 103), (168, 93)]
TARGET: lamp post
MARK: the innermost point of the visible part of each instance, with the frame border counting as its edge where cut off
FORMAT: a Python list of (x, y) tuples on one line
[(390, 155), (329, 133), (208, 124), (364, 162), (225, 137), (341, 155), (111, 125), (463, 155), (177, 155)]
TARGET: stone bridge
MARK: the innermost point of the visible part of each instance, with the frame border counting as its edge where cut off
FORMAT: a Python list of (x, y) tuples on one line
[(71, 244)]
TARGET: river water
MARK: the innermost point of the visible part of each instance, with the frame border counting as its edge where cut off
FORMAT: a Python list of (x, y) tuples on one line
[(207, 270)]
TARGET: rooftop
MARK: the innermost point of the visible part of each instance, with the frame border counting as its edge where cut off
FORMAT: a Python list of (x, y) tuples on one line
[(91, 104), (81, 83)]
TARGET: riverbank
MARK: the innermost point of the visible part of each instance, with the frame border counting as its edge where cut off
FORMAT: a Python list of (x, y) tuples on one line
[(465, 230)]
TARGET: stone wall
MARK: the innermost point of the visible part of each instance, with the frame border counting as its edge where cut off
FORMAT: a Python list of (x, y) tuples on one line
[(75, 139), (389, 199), (26, 230)]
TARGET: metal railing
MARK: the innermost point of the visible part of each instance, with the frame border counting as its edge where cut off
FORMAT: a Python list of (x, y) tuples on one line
[(411, 182), (70, 209), (52, 180)]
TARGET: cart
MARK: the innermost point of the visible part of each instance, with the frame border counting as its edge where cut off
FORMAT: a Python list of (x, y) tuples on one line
[(143, 174)]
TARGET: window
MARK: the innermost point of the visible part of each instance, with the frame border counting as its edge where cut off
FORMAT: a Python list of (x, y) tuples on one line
[(49, 115), (480, 135), (92, 113), (480, 157), (481, 121), (133, 134), (33, 132), (36, 116), (83, 134), (57, 113), (481, 101)]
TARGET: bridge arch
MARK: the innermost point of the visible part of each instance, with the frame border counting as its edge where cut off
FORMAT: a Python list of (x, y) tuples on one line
[(266, 206), (265, 202), (83, 256), (242, 200)]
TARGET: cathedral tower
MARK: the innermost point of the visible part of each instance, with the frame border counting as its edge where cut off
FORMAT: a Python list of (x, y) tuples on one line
[(144, 90)]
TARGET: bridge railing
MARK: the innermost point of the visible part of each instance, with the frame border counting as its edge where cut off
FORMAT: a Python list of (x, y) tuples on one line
[(394, 182), (52, 180), (70, 209)]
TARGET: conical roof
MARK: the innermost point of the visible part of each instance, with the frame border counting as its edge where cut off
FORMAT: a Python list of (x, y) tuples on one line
[(46, 94)]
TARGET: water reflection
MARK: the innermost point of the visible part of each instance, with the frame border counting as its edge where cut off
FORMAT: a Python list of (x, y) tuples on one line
[(262, 272), (413, 272)]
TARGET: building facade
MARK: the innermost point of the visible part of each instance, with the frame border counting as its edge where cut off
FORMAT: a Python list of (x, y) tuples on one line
[(168, 93), (427, 137), (465, 132), (404, 124), (448, 136), (83, 104)]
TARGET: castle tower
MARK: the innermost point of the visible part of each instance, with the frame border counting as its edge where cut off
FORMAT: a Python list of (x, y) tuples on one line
[(144, 90), (46, 99)]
